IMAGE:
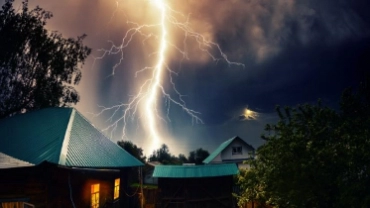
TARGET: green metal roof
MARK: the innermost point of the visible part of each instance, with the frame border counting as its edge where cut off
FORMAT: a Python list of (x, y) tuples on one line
[(218, 150), (7, 161), (60, 136), (194, 171), (221, 148)]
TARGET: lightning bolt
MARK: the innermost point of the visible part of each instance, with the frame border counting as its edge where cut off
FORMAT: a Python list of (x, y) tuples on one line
[(150, 102), (144, 104)]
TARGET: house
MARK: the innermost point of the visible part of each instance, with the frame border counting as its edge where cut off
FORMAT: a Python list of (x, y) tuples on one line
[(195, 185), (234, 150), (54, 157)]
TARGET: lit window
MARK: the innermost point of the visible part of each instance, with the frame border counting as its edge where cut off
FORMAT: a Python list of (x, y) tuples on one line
[(237, 150), (95, 196), (116, 188)]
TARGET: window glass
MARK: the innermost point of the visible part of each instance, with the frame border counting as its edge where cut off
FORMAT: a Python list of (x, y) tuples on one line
[(95, 195), (116, 188), (237, 150)]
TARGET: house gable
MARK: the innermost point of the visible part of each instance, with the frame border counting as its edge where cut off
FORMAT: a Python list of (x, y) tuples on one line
[(237, 150), (232, 150)]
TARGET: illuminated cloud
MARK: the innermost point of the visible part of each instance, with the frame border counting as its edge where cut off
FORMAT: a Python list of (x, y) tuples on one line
[(248, 114), (290, 49)]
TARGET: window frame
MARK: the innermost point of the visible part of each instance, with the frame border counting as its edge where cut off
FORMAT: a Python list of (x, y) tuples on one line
[(116, 188), (95, 195), (237, 150)]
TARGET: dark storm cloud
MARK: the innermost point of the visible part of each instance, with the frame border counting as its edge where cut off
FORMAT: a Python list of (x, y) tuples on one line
[(300, 75), (263, 28), (294, 51)]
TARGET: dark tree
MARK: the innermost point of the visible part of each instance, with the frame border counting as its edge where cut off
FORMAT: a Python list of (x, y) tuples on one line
[(314, 156), (161, 155), (197, 156), (133, 150), (182, 158), (37, 68), (164, 156)]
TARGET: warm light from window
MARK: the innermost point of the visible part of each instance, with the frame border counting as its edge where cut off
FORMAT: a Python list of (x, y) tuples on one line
[(95, 195), (116, 188)]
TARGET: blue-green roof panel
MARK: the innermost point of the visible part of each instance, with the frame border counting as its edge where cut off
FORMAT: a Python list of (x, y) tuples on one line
[(194, 171), (218, 150), (90, 148), (60, 136), (35, 136)]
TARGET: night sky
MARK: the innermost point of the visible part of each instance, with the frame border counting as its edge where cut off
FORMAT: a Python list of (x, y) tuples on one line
[(294, 52)]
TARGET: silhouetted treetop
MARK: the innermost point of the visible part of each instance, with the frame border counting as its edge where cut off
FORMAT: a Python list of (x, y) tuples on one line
[(38, 68)]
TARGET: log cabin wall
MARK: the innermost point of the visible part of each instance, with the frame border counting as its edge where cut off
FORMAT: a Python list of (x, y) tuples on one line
[(24, 183), (48, 185)]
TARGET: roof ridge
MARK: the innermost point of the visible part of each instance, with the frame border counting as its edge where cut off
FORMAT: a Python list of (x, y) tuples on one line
[(102, 138), (67, 136), (87, 120), (105, 136), (61, 136)]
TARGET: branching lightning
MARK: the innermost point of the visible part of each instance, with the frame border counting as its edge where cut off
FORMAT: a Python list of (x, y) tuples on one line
[(144, 105), (150, 102)]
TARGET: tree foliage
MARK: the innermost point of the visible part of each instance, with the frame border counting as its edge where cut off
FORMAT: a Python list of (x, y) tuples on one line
[(197, 156), (134, 150), (314, 157), (182, 158), (164, 156), (37, 68)]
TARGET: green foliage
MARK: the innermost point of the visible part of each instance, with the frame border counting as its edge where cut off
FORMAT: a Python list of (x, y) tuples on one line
[(314, 157), (137, 152), (197, 156), (37, 68), (164, 156), (182, 158), (134, 150)]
